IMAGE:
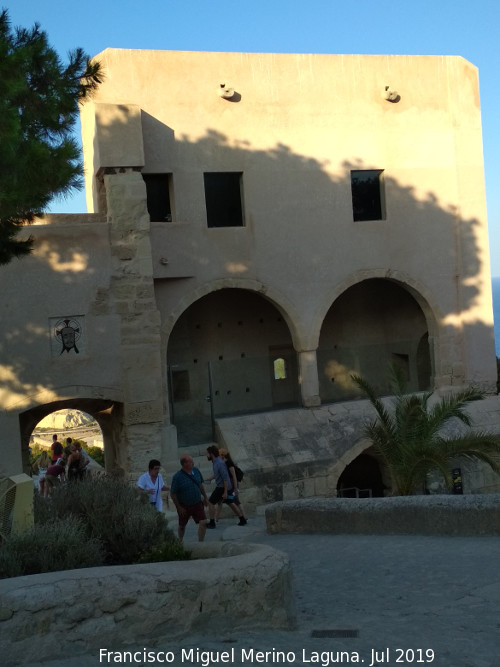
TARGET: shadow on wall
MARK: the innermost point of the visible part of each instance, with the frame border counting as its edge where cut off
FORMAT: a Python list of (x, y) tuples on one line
[(70, 272)]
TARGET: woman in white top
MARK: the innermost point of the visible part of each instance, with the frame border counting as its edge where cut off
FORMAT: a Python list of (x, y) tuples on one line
[(152, 483), (40, 468)]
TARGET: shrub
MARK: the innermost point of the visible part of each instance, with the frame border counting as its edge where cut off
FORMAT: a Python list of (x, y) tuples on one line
[(60, 545), (112, 511), (96, 453)]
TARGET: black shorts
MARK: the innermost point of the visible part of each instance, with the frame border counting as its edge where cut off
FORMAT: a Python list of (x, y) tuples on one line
[(217, 494)]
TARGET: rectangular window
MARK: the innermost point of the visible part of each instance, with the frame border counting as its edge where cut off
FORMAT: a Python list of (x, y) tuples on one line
[(368, 202), (223, 199), (158, 189)]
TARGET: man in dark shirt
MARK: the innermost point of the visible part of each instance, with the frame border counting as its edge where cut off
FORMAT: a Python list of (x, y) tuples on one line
[(54, 474), (189, 497), (56, 447)]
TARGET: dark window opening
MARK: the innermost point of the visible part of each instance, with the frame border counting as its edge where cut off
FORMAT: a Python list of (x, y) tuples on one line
[(367, 195), (158, 196), (223, 199)]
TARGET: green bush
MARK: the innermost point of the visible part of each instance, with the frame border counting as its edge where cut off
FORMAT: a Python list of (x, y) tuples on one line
[(97, 453), (50, 547), (113, 512)]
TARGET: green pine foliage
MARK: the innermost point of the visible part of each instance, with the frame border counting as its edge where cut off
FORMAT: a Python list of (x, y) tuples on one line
[(409, 434), (39, 99)]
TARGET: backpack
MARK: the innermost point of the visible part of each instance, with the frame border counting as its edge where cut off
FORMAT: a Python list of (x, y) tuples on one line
[(239, 473)]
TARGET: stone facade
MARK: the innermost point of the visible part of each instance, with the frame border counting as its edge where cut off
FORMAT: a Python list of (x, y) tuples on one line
[(261, 227)]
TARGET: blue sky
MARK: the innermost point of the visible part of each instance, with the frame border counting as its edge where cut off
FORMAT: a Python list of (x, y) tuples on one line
[(422, 27)]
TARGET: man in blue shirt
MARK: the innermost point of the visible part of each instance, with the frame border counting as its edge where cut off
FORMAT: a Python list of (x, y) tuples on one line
[(189, 497)]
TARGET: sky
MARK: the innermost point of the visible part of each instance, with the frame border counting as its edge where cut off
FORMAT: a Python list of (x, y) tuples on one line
[(395, 27)]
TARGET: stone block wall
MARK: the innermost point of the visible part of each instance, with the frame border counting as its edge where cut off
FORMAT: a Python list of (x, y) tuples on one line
[(118, 607), (410, 515)]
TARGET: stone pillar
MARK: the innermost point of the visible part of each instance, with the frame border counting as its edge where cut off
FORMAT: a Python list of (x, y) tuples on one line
[(308, 379), (133, 300)]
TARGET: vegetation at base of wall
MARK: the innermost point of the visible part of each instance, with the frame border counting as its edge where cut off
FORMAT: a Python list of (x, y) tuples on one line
[(165, 552), (112, 511), (49, 547), (409, 434)]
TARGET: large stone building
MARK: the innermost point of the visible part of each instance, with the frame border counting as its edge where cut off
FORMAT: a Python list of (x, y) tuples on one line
[(261, 226)]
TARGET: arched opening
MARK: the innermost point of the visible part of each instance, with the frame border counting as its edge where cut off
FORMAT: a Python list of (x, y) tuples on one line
[(69, 425), (371, 325), (108, 415), (229, 353), (362, 478)]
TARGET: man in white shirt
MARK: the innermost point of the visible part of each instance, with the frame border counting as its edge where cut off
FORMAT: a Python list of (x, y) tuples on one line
[(152, 483)]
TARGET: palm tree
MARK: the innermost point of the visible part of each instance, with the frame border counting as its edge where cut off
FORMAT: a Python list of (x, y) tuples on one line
[(410, 439)]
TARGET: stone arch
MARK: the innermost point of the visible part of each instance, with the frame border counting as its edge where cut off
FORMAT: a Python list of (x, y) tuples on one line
[(373, 322), (360, 447), (220, 360), (421, 294), (362, 478), (286, 308), (107, 412)]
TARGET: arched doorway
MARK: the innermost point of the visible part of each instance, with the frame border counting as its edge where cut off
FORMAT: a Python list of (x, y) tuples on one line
[(74, 424), (108, 415), (362, 478), (371, 325), (229, 353)]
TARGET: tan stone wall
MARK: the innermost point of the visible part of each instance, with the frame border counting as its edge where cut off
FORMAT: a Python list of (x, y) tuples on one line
[(298, 125), (295, 129)]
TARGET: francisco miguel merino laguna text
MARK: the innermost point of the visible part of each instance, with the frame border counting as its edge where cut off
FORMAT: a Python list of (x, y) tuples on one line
[(209, 658)]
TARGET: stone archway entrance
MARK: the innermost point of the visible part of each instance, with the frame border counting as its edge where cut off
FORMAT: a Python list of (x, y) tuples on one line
[(362, 478), (371, 325), (108, 414), (229, 353)]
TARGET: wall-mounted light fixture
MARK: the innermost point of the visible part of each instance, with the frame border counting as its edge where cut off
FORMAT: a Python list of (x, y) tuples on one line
[(390, 95), (226, 91)]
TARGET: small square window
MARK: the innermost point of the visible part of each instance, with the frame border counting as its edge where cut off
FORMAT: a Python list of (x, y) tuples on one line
[(368, 202), (158, 189), (223, 199)]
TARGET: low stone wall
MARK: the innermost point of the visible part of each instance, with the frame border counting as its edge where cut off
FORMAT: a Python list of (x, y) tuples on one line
[(417, 515), (240, 585)]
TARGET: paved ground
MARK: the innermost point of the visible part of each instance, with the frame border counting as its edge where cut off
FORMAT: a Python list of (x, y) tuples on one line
[(406, 600)]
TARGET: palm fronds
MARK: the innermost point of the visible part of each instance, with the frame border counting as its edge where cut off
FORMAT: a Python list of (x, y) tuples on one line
[(409, 433)]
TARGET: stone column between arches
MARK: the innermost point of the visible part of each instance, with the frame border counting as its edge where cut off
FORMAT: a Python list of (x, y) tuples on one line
[(308, 378)]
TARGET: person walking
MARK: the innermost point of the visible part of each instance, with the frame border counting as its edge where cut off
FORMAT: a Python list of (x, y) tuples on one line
[(233, 475), (223, 490), (189, 497), (40, 468), (152, 483), (56, 473)]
